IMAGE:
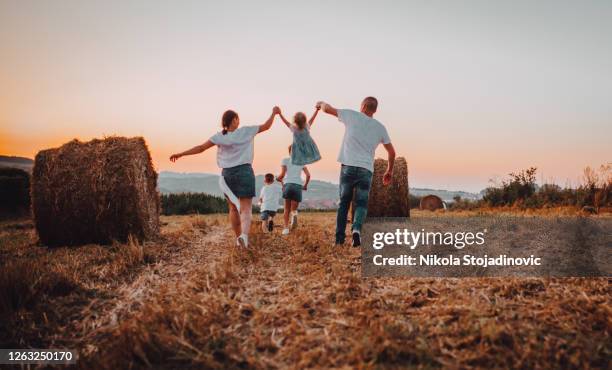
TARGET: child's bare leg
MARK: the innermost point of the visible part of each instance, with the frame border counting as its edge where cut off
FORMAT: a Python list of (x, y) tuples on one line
[(234, 218), (294, 207), (264, 223), (287, 212), (245, 214)]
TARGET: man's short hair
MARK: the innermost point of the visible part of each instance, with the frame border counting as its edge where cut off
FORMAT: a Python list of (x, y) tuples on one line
[(269, 177), (371, 103)]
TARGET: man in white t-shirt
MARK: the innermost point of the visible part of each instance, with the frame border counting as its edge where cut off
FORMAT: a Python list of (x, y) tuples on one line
[(269, 199), (362, 135)]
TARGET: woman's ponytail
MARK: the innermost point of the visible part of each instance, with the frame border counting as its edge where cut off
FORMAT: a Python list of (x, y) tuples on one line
[(226, 120)]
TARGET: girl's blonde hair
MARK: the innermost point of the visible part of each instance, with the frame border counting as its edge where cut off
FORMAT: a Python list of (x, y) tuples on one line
[(300, 120)]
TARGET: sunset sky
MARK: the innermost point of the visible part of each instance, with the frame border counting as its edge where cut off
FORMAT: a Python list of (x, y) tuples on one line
[(469, 90)]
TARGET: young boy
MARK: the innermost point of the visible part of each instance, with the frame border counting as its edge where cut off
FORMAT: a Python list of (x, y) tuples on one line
[(292, 190), (269, 199)]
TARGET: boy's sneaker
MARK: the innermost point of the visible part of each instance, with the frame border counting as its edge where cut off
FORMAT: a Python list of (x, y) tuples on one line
[(270, 226), (285, 231), (243, 241), (356, 238)]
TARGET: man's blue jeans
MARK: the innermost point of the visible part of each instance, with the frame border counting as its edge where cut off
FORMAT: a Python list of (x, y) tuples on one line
[(353, 180)]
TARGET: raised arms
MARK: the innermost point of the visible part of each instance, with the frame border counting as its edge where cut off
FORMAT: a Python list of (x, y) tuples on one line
[(314, 115), (285, 121), (327, 108), (266, 125), (195, 150), (388, 176)]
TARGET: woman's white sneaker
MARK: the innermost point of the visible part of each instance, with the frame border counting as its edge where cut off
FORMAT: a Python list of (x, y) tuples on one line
[(285, 231)]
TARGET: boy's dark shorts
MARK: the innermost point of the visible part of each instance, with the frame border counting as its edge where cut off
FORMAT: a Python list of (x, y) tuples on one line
[(265, 215), (292, 192)]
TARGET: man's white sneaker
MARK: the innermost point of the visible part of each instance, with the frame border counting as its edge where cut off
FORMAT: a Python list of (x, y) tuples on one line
[(285, 231)]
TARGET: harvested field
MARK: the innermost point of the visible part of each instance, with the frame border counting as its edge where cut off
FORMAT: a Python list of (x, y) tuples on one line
[(192, 299)]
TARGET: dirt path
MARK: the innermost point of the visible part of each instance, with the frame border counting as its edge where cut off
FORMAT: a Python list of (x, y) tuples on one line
[(193, 252)]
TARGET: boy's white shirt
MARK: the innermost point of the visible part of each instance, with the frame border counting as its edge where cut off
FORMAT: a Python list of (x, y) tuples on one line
[(270, 197), (294, 172), (362, 135)]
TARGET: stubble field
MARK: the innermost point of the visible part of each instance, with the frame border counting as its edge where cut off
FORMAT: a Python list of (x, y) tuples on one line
[(192, 299)]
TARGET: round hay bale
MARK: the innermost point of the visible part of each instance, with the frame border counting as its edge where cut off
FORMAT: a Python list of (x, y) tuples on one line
[(431, 203), (391, 200), (95, 192)]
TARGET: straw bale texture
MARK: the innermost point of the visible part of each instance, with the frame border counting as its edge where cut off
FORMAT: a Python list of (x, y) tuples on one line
[(95, 192), (431, 203), (392, 200)]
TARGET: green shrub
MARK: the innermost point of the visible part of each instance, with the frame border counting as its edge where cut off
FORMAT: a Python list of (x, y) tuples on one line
[(14, 190), (520, 187), (188, 203), (414, 201)]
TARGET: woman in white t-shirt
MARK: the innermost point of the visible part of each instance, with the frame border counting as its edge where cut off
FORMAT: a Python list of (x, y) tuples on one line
[(234, 157)]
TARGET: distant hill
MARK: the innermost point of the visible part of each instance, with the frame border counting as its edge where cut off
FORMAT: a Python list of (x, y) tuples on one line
[(320, 194), (16, 162), (446, 195)]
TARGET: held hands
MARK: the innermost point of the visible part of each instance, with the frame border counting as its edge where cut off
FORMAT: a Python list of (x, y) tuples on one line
[(276, 110), (321, 105), (388, 177)]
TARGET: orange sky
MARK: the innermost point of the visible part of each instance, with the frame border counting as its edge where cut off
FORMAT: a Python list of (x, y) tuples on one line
[(468, 93)]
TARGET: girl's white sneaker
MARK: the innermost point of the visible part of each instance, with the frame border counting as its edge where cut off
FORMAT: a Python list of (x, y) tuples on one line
[(243, 241), (285, 231)]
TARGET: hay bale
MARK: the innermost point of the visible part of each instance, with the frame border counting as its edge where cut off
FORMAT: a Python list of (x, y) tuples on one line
[(391, 200), (14, 191), (95, 192), (431, 203)]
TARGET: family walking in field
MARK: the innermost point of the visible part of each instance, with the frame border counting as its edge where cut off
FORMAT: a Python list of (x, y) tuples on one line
[(235, 152)]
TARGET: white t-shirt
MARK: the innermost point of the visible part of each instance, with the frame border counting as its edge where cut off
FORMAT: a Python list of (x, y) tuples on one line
[(270, 197), (236, 147), (362, 135), (294, 173)]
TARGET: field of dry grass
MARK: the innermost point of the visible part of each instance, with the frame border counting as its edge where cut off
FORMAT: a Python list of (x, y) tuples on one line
[(192, 299)]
